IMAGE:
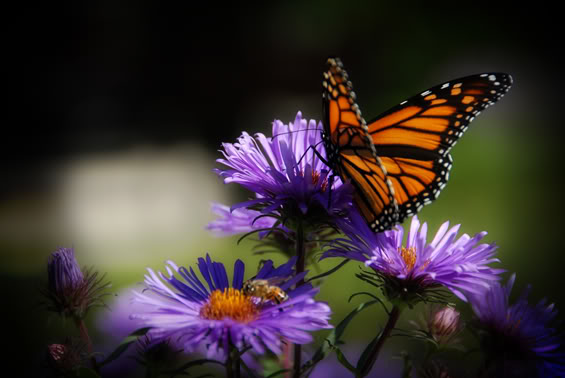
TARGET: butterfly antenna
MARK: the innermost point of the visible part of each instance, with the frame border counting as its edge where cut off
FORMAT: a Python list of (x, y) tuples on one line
[(295, 131)]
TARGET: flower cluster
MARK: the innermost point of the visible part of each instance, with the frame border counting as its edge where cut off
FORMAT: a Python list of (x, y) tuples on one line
[(252, 318)]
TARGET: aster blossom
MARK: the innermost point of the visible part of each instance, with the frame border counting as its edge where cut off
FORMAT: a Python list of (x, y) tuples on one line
[(238, 221), (461, 265), (220, 315), (519, 338), (286, 172)]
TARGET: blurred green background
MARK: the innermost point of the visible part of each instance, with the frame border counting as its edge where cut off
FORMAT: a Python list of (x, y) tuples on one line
[(117, 113)]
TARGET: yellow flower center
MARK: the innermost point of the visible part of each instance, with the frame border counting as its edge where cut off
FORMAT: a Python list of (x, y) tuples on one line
[(409, 257), (230, 303)]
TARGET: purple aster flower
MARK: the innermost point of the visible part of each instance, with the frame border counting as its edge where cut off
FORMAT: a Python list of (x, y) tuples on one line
[(70, 291), (238, 221), (411, 268), (285, 173), (518, 338), (220, 315)]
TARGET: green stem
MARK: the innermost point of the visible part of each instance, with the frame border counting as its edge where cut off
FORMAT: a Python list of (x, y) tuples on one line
[(300, 266), (150, 372), (81, 325), (429, 352), (237, 364), (233, 362), (229, 364), (374, 353), (286, 358)]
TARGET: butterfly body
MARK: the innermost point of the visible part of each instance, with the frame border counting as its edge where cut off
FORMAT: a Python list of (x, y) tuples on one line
[(400, 161)]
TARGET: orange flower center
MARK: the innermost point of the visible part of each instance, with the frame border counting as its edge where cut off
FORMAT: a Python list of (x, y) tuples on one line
[(409, 257), (316, 178), (230, 303)]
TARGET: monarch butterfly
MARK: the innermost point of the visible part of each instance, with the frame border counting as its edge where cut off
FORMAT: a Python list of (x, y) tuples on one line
[(400, 161)]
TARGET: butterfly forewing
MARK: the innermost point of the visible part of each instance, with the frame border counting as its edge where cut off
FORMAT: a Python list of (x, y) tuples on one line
[(350, 150), (413, 139)]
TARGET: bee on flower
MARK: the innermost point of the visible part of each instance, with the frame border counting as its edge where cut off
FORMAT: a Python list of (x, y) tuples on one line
[(265, 290)]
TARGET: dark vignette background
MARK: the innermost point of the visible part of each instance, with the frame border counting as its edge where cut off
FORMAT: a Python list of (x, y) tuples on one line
[(100, 77)]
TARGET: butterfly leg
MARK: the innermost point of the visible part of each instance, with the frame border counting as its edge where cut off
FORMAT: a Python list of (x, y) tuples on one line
[(315, 151), (330, 184)]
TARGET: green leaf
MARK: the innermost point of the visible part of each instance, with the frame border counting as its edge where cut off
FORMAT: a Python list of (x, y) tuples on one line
[(334, 269), (189, 364), (363, 359), (370, 354), (124, 345), (372, 296), (256, 231), (369, 278), (334, 337), (343, 360)]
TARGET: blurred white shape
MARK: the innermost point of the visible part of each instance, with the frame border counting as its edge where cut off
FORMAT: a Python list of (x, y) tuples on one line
[(128, 205)]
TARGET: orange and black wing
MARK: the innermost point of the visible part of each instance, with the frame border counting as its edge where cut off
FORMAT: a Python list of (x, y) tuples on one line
[(413, 139), (350, 151)]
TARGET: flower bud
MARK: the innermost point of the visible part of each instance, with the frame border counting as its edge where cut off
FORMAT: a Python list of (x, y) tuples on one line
[(444, 324), (65, 359), (63, 272), (440, 325), (71, 291)]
